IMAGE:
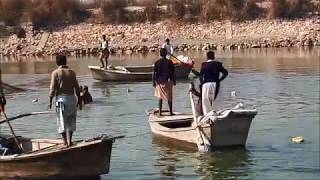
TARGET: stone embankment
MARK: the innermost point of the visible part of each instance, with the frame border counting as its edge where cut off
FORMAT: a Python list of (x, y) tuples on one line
[(84, 38)]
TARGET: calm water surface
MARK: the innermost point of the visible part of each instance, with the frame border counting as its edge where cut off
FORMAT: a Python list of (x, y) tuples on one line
[(282, 84)]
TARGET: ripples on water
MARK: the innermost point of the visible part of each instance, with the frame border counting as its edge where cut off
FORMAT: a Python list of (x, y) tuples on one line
[(283, 85)]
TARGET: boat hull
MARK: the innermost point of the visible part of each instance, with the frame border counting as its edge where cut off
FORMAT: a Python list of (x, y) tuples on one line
[(230, 131), (134, 73), (84, 159)]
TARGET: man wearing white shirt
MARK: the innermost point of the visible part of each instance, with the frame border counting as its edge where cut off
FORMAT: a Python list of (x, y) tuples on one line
[(168, 46), (104, 51)]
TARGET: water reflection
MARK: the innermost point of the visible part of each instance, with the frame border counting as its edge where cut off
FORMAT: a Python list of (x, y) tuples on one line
[(226, 163), (104, 87), (260, 60)]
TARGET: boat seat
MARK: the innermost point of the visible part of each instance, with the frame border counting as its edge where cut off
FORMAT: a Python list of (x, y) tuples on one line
[(177, 124)]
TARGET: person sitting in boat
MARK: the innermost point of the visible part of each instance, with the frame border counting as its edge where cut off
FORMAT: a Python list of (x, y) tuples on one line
[(169, 48), (210, 81), (194, 91), (164, 80), (64, 86), (104, 51), (86, 96)]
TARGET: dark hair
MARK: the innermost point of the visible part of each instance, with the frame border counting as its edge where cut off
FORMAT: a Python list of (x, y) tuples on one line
[(104, 36), (85, 88), (61, 60), (167, 40), (210, 55), (163, 52)]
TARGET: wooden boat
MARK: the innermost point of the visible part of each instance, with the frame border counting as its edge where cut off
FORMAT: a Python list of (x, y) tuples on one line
[(50, 158), (230, 128), (133, 73)]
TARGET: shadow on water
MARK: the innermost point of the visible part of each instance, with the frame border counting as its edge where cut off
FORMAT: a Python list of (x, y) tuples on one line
[(225, 163)]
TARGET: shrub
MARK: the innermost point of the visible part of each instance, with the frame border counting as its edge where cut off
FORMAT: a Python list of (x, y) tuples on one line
[(299, 8), (11, 11), (278, 8), (290, 8), (114, 11), (153, 13), (44, 13), (250, 10), (176, 9)]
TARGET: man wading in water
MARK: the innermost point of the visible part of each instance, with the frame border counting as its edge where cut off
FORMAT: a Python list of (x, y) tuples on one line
[(104, 52), (164, 80), (64, 86), (210, 81)]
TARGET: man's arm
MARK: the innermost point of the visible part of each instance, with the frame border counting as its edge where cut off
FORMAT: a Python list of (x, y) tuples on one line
[(224, 73), (77, 91), (52, 91), (201, 74), (171, 50), (173, 75), (154, 75)]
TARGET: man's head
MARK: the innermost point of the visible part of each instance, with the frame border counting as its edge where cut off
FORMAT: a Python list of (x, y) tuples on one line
[(163, 52), (104, 37), (167, 40), (85, 88), (61, 60), (210, 55)]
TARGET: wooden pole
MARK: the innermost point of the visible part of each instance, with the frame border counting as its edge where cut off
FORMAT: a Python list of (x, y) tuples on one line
[(25, 115), (202, 145), (12, 131)]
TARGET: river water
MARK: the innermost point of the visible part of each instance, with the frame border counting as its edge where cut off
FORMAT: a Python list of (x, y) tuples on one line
[(283, 84)]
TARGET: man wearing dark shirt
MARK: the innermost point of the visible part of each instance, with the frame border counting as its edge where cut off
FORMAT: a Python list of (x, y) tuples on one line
[(210, 80), (164, 80)]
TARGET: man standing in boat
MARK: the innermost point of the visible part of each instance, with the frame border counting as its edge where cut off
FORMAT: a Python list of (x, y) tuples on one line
[(64, 86), (104, 52), (169, 48), (164, 80), (210, 81)]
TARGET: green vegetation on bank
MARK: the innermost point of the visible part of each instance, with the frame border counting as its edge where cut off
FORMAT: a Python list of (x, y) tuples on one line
[(44, 13)]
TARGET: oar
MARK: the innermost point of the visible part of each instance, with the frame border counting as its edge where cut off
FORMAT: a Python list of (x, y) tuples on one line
[(195, 72), (12, 131), (202, 145), (26, 114)]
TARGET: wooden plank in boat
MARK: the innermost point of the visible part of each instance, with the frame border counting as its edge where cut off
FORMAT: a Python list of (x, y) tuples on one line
[(177, 117)]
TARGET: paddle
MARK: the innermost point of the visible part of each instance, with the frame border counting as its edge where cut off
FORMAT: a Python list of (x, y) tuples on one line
[(12, 131), (202, 145), (195, 72), (26, 114)]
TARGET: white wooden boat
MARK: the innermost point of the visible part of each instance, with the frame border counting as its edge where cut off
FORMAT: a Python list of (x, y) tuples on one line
[(229, 128), (133, 73), (50, 158)]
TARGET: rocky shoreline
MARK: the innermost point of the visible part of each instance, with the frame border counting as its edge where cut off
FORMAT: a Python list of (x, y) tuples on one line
[(83, 39)]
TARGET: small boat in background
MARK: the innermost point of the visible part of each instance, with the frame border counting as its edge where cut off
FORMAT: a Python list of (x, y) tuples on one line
[(183, 67), (50, 158), (224, 129), (134, 73)]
